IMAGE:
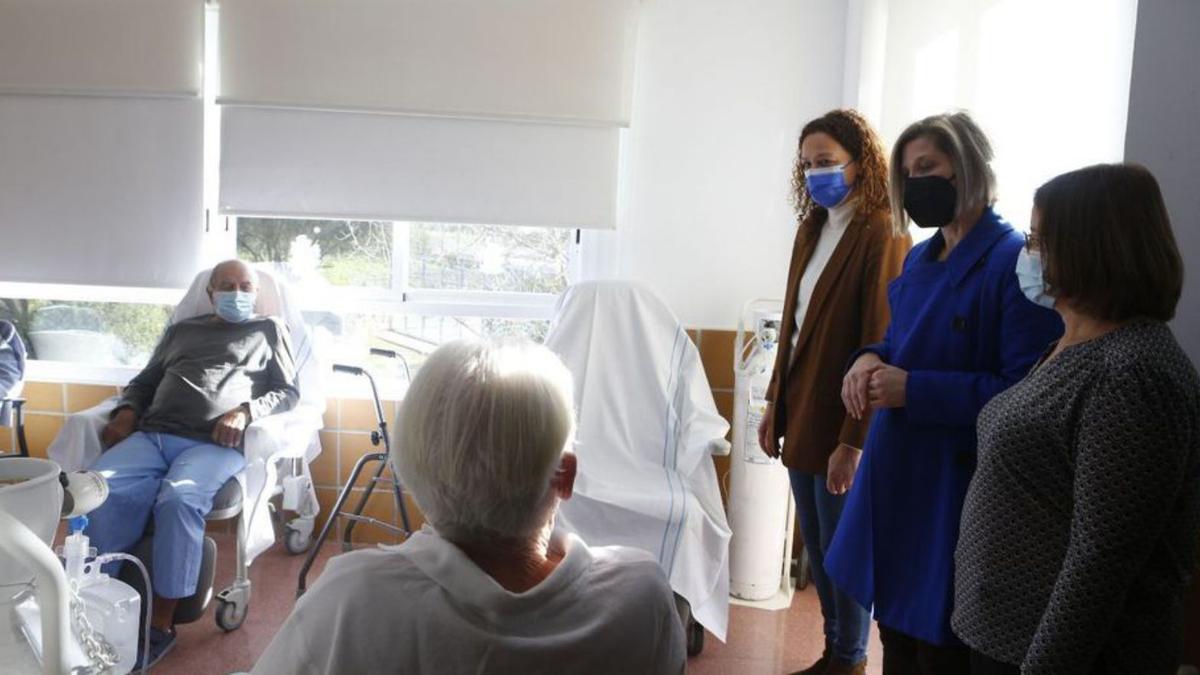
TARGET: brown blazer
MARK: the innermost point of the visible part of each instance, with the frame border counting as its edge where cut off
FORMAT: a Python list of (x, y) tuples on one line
[(848, 309)]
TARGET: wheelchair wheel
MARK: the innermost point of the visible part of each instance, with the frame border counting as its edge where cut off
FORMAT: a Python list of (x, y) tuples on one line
[(296, 542), (695, 638), (230, 615)]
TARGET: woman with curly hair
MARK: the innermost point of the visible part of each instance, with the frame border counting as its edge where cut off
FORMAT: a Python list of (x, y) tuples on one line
[(847, 249)]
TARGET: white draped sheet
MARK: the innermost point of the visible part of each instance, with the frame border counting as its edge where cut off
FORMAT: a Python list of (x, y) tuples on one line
[(647, 428)]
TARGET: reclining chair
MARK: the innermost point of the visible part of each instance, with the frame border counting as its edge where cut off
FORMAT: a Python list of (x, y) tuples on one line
[(12, 376), (647, 428), (278, 450)]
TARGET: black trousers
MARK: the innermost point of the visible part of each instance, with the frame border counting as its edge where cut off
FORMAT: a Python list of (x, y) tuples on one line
[(982, 664), (906, 655)]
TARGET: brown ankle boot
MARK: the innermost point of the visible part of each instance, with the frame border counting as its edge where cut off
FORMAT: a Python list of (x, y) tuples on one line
[(817, 668), (837, 667)]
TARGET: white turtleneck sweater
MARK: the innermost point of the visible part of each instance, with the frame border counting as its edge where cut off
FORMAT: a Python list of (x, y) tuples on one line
[(831, 234)]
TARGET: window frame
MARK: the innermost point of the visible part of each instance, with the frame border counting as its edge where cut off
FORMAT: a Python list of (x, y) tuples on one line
[(400, 298)]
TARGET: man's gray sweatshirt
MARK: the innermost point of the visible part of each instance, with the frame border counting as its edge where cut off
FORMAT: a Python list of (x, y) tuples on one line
[(204, 367)]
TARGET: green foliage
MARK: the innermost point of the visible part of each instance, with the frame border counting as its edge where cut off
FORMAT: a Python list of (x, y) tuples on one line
[(353, 270), (440, 256), (137, 327), (352, 253)]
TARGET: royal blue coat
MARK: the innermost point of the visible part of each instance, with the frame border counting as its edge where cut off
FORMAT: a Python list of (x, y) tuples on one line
[(964, 332)]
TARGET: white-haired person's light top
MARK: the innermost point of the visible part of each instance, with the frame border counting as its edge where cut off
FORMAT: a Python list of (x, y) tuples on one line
[(489, 586), (424, 607)]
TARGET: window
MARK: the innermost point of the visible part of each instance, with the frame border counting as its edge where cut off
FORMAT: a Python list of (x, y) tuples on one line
[(316, 254), (96, 333), (399, 256), (408, 287), (489, 258)]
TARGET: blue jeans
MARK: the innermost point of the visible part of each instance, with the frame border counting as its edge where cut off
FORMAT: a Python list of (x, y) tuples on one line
[(847, 624), (174, 478)]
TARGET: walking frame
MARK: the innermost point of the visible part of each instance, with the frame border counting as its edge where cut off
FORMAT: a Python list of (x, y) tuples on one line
[(381, 458)]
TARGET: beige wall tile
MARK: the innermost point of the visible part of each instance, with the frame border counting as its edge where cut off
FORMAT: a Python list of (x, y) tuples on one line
[(358, 415), (43, 396), (325, 466), (716, 353), (84, 396), (381, 507), (351, 448), (325, 498), (331, 413), (40, 430)]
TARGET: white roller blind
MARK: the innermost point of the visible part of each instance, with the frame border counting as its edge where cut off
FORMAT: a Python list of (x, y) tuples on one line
[(542, 59), (142, 47), (397, 167), (100, 190)]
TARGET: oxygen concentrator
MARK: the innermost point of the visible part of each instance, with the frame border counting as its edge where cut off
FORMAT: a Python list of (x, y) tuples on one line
[(52, 620), (761, 512)]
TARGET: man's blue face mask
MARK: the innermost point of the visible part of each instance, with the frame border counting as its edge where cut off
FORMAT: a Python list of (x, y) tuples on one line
[(827, 186), (234, 306)]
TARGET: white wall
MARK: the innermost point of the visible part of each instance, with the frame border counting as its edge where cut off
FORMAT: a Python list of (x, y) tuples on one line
[(721, 91), (1164, 106), (1050, 104)]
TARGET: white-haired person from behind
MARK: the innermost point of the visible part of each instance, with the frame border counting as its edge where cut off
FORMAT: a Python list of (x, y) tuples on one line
[(489, 585)]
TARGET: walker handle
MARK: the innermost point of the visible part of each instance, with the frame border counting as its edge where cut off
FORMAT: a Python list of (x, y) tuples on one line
[(342, 368)]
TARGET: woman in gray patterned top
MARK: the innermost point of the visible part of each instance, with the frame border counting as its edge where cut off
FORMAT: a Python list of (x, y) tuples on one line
[(1079, 533)]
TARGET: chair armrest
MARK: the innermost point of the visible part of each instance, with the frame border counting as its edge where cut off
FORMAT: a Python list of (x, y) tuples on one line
[(285, 434), (78, 445)]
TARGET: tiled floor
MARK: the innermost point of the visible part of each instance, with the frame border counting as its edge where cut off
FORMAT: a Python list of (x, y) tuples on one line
[(759, 642)]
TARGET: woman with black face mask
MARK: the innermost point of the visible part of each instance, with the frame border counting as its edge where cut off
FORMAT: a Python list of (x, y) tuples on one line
[(961, 332)]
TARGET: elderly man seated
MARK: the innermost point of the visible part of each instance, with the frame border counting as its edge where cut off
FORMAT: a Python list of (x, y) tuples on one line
[(491, 587), (175, 435)]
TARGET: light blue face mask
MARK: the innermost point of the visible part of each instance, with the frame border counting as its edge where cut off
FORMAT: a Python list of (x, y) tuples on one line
[(234, 306), (827, 186), (1029, 276)]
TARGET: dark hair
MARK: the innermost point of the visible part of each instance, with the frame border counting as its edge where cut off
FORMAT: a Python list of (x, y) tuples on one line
[(854, 133), (1107, 245)]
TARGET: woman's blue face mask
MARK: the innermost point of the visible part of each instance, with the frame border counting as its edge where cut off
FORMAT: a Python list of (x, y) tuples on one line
[(1029, 276), (234, 306), (828, 186)]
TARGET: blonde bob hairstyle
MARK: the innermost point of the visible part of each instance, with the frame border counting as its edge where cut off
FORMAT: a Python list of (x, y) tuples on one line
[(479, 434), (957, 135)]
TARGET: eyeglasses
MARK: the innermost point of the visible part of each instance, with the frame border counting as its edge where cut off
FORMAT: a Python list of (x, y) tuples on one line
[(1032, 241)]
